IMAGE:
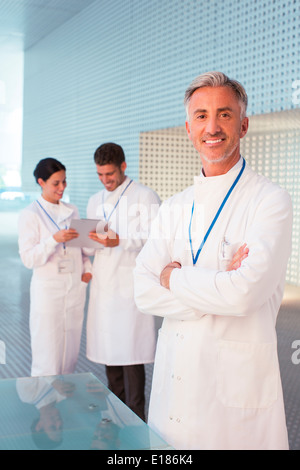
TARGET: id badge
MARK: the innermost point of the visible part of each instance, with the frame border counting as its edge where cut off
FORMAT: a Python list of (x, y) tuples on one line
[(66, 265)]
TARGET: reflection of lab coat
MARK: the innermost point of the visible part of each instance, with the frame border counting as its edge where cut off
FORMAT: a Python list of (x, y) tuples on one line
[(216, 381), (56, 299), (90, 418), (38, 391), (117, 333)]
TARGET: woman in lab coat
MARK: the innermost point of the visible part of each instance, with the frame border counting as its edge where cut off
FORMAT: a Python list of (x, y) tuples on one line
[(60, 274)]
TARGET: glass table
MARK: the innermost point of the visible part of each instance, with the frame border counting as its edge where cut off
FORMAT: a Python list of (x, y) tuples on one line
[(73, 412)]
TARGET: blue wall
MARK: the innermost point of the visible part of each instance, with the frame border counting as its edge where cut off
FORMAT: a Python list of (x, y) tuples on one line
[(121, 67)]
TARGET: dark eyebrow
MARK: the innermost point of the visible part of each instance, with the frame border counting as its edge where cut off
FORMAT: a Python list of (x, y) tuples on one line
[(109, 173)]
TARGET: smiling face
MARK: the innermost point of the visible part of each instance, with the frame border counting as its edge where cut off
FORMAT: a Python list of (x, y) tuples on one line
[(111, 176), (215, 127), (53, 189)]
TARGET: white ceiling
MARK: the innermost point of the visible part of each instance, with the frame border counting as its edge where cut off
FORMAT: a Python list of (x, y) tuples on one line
[(24, 22)]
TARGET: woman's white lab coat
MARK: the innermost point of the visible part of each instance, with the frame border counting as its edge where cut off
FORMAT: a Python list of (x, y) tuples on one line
[(56, 299), (117, 333), (216, 381)]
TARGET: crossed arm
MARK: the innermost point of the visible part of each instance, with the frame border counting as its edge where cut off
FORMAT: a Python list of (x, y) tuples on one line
[(235, 263)]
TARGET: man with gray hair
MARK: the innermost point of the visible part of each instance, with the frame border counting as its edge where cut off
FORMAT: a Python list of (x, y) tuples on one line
[(217, 79), (216, 382)]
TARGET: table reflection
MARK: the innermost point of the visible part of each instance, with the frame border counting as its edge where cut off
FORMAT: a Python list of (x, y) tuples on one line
[(68, 413)]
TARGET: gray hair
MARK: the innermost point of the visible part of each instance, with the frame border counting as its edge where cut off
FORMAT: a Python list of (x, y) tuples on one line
[(217, 79)]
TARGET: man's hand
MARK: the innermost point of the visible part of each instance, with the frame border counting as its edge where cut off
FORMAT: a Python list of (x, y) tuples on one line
[(235, 263), (166, 273), (239, 256), (110, 239), (86, 277)]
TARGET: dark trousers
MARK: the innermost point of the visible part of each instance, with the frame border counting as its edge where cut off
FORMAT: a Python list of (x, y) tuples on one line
[(128, 384)]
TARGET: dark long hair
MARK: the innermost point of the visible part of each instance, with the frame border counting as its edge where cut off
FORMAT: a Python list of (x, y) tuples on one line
[(46, 167)]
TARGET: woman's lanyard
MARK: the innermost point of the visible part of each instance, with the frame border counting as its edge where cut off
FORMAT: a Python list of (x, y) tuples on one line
[(53, 221), (117, 203), (195, 258)]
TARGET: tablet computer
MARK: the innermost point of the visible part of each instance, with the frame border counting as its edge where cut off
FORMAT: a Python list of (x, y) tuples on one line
[(84, 227)]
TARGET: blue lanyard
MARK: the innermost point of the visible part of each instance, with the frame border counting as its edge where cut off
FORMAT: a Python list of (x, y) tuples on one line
[(195, 258), (117, 203), (53, 221), (48, 215)]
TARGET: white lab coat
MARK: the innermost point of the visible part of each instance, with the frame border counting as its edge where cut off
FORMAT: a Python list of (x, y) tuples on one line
[(117, 333), (216, 382), (56, 299)]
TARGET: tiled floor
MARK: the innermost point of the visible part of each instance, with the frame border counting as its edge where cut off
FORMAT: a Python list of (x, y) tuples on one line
[(14, 302)]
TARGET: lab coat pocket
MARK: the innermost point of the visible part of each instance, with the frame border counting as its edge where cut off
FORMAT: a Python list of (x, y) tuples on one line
[(160, 363), (227, 250), (247, 374)]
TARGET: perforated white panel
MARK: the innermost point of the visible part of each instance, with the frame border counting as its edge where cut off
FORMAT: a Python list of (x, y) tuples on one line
[(168, 161), (272, 148)]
